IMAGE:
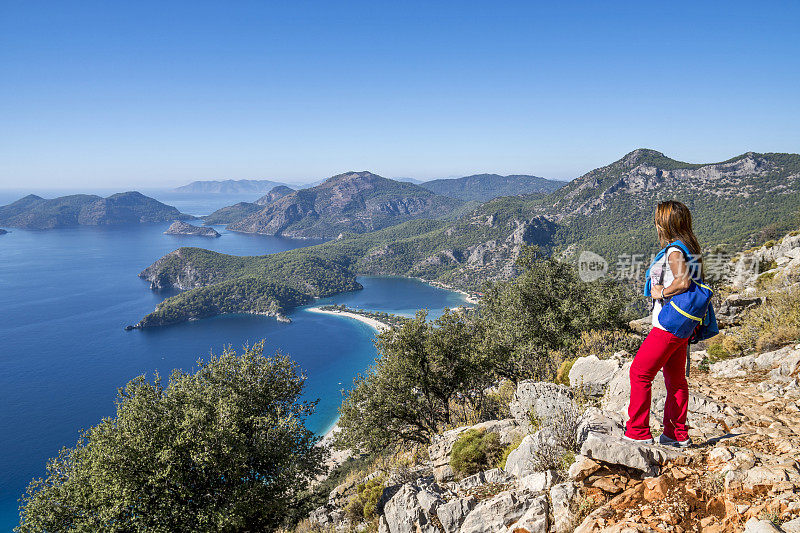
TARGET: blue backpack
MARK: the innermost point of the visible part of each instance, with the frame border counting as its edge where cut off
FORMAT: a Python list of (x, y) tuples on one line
[(690, 313)]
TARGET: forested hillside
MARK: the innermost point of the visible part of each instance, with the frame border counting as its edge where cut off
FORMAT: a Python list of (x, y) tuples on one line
[(744, 200), (484, 187)]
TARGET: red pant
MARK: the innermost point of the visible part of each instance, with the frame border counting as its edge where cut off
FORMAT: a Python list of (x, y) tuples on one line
[(661, 349)]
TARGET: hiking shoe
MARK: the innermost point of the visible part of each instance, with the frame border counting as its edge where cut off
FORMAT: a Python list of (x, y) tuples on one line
[(666, 441), (638, 441)]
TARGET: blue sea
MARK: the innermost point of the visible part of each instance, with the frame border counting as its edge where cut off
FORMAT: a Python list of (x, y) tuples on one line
[(66, 295)]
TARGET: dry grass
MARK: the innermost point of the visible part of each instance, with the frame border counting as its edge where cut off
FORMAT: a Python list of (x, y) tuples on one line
[(774, 324)]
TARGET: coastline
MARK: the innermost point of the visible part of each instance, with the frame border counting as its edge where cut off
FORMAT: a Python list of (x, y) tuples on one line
[(377, 325), (469, 298)]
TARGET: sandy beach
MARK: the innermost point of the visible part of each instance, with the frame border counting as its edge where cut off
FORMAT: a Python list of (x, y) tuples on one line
[(371, 322), (471, 299)]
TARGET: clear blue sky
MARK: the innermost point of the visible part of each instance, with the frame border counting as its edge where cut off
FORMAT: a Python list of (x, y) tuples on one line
[(160, 93)]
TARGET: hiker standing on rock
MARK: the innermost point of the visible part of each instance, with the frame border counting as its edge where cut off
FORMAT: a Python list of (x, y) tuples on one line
[(681, 309)]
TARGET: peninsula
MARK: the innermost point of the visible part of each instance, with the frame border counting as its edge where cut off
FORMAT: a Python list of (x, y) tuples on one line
[(374, 323)]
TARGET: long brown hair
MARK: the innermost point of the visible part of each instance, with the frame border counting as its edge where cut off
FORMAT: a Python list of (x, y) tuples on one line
[(674, 222)]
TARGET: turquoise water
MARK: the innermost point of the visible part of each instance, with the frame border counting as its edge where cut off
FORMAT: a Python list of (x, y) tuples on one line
[(66, 295)]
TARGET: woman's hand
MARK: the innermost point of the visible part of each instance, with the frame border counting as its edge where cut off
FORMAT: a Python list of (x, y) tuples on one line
[(656, 292)]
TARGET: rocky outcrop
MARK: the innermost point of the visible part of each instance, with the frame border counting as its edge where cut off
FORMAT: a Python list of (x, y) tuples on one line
[(2, 231), (734, 305), (412, 509), (184, 228), (539, 402), (776, 260), (592, 374), (501, 511), (782, 364), (648, 459), (521, 462), (452, 514), (276, 193)]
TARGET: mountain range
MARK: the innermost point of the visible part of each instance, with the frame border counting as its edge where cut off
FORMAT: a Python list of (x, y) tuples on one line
[(35, 212), (396, 194), (746, 199), (229, 187)]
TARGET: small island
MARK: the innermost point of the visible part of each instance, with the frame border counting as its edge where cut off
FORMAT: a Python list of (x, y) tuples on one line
[(180, 227), (2, 231)]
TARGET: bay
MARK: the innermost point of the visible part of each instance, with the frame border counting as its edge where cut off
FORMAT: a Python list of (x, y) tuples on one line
[(67, 294)]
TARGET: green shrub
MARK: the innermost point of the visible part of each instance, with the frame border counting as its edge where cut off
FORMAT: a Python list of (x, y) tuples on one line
[(562, 374), (717, 352), (475, 451), (363, 505), (764, 266), (501, 463), (765, 280)]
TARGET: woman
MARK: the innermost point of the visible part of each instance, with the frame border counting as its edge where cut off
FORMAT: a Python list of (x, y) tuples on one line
[(661, 349)]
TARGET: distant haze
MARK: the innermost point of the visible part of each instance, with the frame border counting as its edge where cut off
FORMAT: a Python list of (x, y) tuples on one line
[(144, 95)]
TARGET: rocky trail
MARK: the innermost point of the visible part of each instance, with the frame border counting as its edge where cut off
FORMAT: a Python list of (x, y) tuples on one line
[(742, 474), (735, 478)]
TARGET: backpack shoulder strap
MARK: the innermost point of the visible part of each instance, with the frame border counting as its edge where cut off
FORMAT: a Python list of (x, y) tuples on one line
[(683, 248)]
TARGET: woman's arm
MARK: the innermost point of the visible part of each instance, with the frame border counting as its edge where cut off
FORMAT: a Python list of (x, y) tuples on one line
[(682, 281)]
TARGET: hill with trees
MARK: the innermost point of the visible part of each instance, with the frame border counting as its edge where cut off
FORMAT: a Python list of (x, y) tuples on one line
[(35, 212), (484, 187), (747, 199)]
